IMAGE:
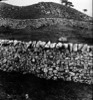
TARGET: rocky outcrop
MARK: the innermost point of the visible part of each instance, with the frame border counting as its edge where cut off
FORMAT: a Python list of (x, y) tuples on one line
[(67, 61)]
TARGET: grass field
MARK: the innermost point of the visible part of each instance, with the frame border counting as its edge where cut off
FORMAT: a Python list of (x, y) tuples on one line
[(50, 33)]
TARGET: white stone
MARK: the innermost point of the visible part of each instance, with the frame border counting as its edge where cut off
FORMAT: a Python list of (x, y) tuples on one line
[(62, 39), (52, 45), (42, 43), (15, 42), (75, 47), (48, 45), (72, 73), (58, 45), (34, 43), (45, 70), (10, 41), (50, 69), (55, 78), (65, 45), (88, 47), (28, 44), (80, 46), (71, 46), (38, 43), (84, 48)]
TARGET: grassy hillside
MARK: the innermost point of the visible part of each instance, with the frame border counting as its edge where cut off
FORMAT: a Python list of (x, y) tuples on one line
[(41, 10)]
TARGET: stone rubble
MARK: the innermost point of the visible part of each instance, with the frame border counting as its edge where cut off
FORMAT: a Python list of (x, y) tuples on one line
[(67, 61)]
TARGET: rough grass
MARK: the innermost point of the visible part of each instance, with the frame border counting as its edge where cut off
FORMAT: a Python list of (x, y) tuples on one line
[(50, 33)]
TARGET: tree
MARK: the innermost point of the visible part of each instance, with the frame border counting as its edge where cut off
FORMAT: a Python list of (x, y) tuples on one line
[(67, 3), (3, 0), (85, 10), (64, 2)]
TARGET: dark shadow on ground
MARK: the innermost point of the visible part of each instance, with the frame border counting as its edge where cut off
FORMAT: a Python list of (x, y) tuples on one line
[(16, 86)]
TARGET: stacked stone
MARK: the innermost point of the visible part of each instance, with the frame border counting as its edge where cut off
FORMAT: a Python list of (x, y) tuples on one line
[(67, 61)]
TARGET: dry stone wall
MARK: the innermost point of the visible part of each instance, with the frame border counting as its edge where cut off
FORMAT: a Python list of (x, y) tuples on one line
[(67, 61)]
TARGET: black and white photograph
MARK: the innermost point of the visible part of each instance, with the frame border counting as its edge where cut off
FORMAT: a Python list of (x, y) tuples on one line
[(46, 50)]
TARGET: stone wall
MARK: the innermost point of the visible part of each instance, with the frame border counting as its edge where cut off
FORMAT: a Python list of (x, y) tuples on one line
[(67, 61)]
